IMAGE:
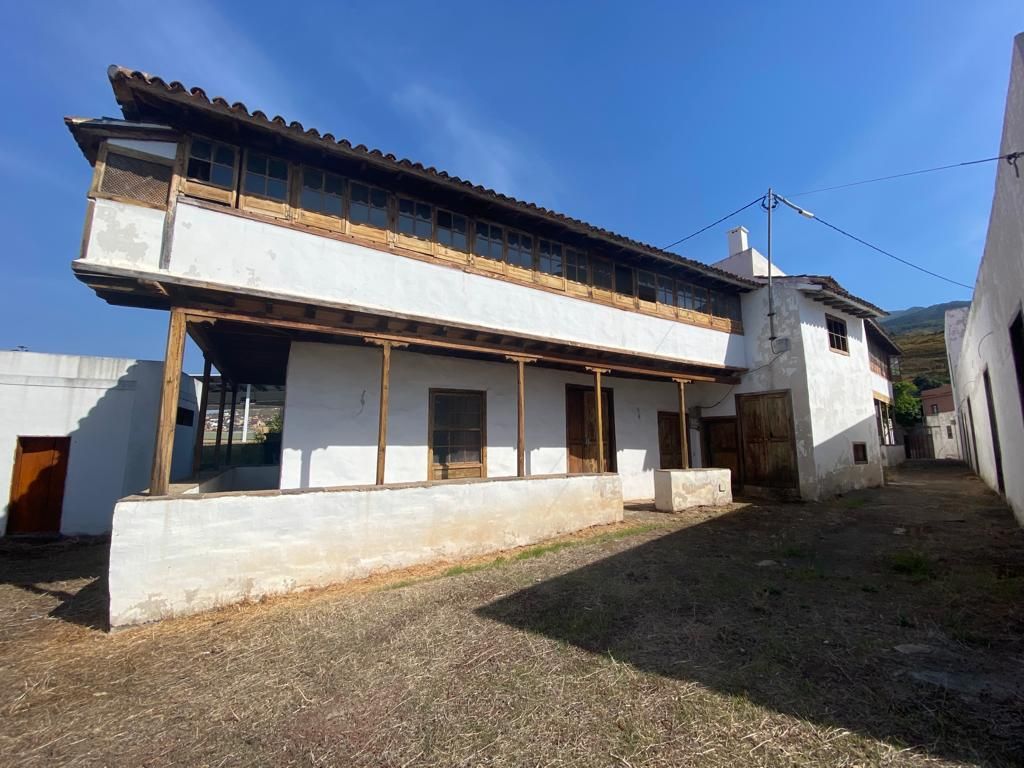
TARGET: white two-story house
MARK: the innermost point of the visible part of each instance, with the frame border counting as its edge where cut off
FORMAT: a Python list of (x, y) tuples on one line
[(440, 341)]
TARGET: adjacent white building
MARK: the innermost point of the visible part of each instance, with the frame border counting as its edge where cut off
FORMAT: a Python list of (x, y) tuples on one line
[(77, 434), (430, 333), (986, 352)]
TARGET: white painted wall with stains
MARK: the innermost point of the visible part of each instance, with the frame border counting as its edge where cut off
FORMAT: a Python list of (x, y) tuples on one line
[(998, 297), (332, 399), (108, 407)]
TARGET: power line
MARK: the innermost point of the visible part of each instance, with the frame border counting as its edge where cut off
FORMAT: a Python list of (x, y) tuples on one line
[(1010, 157), (892, 255), (714, 223)]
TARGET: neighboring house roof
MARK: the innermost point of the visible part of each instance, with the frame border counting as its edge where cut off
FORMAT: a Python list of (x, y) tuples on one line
[(875, 329), (827, 289), (132, 86)]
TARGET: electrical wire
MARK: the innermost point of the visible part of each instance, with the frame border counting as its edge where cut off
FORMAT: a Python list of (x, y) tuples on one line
[(891, 255), (714, 223), (1010, 157)]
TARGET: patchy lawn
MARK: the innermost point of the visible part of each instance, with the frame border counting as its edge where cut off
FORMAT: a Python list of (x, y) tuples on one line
[(885, 628)]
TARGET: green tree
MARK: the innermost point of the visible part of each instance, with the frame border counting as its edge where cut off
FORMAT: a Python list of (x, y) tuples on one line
[(906, 403), (924, 382)]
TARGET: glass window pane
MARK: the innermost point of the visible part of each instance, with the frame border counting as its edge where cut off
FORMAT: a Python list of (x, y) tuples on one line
[(254, 183), (222, 176), (278, 169), (444, 219), (312, 179), (277, 189), (602, 272), (646, 286), (623, 280), (379, 198), (332, 205), (311, 200), (199, 169), (224, 155), (360, 193), (256, 163), (379, 217), (334, 185), (359, 213), (201, 149)]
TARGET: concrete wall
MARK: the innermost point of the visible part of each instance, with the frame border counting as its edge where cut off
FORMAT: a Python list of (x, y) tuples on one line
[(108, 407), (998, 296), (331, 408), (258, 256), (172, 556)]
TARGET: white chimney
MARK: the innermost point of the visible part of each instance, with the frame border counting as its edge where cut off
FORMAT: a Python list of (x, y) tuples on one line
[(738, 240)]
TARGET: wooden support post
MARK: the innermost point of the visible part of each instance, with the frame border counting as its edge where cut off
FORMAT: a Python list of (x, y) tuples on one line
[(599, 408), (382, 423), (160, 479), (220, 422), (520, 411), (204, 403), (684, 445), (231, 422)]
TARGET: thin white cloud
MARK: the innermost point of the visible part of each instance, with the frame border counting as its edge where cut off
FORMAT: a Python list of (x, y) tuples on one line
[(458, 142)]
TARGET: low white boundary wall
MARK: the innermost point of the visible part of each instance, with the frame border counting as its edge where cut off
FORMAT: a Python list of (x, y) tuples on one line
[(172, 556)]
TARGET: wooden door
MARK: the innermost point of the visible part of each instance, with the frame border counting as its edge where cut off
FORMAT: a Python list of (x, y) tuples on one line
[(721, 446), (668, 440), (767, 440), (37, 485), (581, 429)]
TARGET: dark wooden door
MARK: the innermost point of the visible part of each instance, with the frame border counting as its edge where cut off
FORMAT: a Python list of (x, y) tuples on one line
[(581, 429), (37, 486), (668, 440), (767, 443), (722, 446)]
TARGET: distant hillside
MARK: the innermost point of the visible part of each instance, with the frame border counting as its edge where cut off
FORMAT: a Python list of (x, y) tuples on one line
[(920, 318), (924, 354)]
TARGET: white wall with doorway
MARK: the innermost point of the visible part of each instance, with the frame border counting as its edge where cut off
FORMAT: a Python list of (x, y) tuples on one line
[(332, 404), (108, 408)]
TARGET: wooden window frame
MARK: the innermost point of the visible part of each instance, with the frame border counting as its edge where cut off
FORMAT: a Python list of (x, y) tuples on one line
[(271, 206), (423, 244), (845, 336), (208, 190), (105, 150), (460, 467), (650, 304), (488, 263), (365, 229), (517, 269), (328, 221), (450, 251), (543, 276)]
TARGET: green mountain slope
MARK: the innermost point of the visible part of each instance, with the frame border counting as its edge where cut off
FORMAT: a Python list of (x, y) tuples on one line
[(920, 332), (920, 318)]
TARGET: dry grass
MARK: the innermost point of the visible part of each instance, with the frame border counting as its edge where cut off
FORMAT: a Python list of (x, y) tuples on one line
[(660, 643)]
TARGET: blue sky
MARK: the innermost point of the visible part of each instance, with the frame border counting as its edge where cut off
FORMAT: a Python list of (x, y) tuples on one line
[(650, 119)]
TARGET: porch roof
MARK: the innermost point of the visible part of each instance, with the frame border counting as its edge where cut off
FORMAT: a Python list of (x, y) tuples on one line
[(248, 337)]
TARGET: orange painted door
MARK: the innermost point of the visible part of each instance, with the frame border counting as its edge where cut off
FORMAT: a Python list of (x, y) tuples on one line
[(37, 486)]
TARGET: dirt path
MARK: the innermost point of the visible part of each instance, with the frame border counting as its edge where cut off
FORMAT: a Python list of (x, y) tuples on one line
[(884, 628)]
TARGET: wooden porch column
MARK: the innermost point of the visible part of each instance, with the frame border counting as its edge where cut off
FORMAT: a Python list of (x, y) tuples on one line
[(204, 403), (231, 421), (599, 409), (382, 422), (220, 422), (684, 446), (161, 476), (521, 411)]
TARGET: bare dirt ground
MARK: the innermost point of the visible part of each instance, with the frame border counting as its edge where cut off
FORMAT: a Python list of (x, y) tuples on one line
[(883, 628)]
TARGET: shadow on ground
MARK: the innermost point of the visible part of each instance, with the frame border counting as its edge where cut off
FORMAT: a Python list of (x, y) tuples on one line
[(894, 613), (72, 571)]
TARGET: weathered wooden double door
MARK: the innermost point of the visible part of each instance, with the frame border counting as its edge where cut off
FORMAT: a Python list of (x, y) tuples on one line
[(581, 429), (768, 447)]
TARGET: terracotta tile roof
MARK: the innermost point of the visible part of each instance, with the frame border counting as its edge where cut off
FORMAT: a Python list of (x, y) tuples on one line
[(832, 285), (125, 81)]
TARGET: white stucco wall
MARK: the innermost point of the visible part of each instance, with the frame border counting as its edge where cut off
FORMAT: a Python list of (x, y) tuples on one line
[(125, 235), (998, 296), (253, 255), (831, 394), (108, 407), (945, 434), (331, 410), (223, 549)]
